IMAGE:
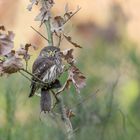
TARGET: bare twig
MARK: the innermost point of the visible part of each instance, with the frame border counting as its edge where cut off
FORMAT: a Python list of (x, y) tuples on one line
[(25, 76), (39, 33), (31, 79), (64, 87), (26, 64), (59, 38), (79, 8), (39, 80), (110, 105), (66, 120), (86, 98)]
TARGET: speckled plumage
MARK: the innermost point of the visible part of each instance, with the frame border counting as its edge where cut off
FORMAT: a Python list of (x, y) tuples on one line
[(46, 68)]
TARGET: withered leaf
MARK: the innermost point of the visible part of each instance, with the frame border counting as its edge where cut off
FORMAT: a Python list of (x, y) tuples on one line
[(29, 7), (66, 8), (27, 46), (70, 113), (6, 43), (24, 51), (59, 20), (2, 28), (21, 50), (57, 24), (45, 100), (67, 14), (77, 77), (69, 39), (43, 15), (68, 56), (48, 4), (12, 65)]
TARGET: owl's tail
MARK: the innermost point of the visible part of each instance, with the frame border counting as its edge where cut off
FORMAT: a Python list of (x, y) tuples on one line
[(45, 100)]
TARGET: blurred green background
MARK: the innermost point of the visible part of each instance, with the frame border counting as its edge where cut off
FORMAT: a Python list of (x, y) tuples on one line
[(111, 62)]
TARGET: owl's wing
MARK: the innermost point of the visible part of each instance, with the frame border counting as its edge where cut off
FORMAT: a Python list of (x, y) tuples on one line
[(41, 65)]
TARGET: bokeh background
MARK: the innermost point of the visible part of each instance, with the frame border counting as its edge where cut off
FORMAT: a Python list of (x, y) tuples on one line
[(109, 32)]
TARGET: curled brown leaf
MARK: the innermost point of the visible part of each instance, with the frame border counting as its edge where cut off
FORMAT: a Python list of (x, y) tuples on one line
[(57, 24), (69, 39), (12, 65), (24, 51), (30, 6), (43, 15), (77, 78), (68, 56), (6, 42), (2, 28)]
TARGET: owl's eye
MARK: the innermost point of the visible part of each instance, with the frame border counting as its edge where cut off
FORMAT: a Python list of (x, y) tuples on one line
[(55, 51), (44, 54)]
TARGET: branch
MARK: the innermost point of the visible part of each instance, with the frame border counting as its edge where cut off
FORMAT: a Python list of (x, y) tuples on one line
[(110, 107), (50, 35), (40, 81), (66, 120), (25, 76), (59, 38), (31, 79), (79, 8), (39, 33), (64, 87)]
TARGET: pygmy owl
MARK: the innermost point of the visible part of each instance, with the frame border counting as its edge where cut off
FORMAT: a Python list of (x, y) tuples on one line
[(47, 67)]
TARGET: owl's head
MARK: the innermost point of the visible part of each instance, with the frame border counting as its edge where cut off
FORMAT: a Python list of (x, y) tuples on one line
[(50, 51)]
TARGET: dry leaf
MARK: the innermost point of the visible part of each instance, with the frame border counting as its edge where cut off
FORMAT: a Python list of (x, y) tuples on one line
[(2, 28), (12, 65), (21, 50), (24, 51), (30, 6), (68, 13), (70, 113), (43, 15), (77, 77), (68, 56), (6, 43), (69, 39), (57, 24)]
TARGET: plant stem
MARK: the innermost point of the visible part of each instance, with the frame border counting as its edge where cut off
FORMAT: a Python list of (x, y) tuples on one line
[(50, 36), (65, 119)]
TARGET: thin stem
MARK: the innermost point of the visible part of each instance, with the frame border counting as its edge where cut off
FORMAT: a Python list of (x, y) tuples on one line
[(44, 83), (26, 64), (25, 76), (39, 33), (59, 38), (65, 119), (50, 35), (72, 15)]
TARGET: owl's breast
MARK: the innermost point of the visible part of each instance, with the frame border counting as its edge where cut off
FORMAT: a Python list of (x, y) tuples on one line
[(53, 73)]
